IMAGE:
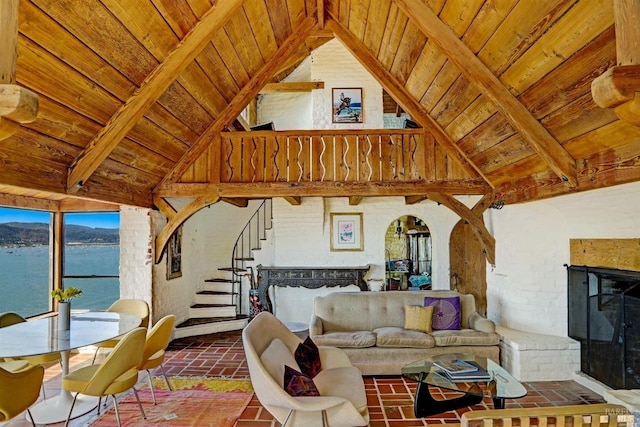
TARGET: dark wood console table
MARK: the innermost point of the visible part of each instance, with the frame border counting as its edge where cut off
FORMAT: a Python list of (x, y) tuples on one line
[(308, 277)]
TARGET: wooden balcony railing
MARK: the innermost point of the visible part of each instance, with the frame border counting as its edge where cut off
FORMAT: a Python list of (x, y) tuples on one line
[(346, 156)]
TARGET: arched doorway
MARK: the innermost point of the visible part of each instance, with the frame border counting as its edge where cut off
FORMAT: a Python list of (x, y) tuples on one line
[(408, 254)]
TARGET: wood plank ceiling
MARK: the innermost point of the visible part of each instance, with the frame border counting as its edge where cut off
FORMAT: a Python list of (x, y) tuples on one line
[(132, 91)]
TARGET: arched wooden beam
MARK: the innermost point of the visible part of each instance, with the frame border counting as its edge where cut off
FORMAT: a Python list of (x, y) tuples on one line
[(178, 219), (476, 222)]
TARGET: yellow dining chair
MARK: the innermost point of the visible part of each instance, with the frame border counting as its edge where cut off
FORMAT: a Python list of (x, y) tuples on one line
[(154, 349), (10, 318), (18, 391), (137, 307), (117, 374)]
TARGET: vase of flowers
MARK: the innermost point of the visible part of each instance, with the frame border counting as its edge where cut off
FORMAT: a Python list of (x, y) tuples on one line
[(64, 297)]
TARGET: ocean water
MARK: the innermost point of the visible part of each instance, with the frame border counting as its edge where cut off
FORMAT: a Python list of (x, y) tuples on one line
[(24, 277)]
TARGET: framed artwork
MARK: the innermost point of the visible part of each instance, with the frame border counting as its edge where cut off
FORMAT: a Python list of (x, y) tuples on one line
[(174, 255), (347, 105), (346, 232)]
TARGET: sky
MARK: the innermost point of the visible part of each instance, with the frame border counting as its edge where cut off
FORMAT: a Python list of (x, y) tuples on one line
[(93, 220)]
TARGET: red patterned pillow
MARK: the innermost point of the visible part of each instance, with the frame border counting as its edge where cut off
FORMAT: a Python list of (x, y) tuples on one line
[(298, 384), (308, 358), (446, 312)]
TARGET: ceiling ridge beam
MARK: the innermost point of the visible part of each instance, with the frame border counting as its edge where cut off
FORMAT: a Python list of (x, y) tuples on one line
[(404, 98), (151, 89), (244, 96), (532, 131)]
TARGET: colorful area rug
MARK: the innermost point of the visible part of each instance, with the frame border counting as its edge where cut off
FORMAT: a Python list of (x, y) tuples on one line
[(193, 402)]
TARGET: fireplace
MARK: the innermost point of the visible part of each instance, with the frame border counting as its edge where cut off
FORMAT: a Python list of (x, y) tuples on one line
[(604, 316)]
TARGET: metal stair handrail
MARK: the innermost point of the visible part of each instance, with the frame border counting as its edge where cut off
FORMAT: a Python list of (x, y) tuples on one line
[(249, 240)]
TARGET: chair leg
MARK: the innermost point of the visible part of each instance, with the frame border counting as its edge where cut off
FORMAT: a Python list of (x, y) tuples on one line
[(31, 418), (165, 377), (144, 416), (325, 421), (115, 406), (286, 420), (73, 402), (153, 394), (93, 362)]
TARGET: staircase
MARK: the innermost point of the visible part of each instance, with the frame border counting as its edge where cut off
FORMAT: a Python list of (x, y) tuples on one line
[(218, 307)]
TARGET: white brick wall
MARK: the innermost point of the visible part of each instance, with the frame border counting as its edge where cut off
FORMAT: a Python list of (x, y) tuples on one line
[(136, 258)]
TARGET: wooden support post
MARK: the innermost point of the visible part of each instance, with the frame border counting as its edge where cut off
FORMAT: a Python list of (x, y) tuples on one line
[(619, 87)]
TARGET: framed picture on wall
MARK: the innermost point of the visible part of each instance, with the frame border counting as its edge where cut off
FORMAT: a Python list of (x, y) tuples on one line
[(347, 105), (346, 232), (174, 255)]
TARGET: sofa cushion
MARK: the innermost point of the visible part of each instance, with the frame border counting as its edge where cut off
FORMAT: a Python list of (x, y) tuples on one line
[(464, 337), (398, 337), (345, 382), (308, 357), (418, 318), (298, 384), (275, 357), (346, 339), (446, 312)]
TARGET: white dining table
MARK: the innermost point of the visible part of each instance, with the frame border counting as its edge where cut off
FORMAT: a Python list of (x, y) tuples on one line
[(42, 336)]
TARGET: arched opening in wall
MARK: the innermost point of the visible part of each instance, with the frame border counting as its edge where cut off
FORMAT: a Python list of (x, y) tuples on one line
[(408, 254)]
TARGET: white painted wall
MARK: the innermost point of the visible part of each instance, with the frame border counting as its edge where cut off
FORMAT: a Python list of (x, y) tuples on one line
[(527, 289), (136, 254), (333, 64)]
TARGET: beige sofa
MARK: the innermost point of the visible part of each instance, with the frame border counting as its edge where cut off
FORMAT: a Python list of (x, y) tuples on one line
[(369, 327)]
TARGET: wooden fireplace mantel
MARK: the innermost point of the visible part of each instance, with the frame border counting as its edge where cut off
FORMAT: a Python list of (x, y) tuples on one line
[(308, 277)]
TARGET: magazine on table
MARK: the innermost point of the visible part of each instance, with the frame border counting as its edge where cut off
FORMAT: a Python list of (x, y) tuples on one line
[(477, 374), (455, 366)]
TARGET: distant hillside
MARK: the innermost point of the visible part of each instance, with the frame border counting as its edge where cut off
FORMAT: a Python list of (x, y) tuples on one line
[(37, 233)]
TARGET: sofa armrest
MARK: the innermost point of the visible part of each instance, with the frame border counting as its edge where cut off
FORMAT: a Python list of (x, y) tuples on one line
[(480, 323), (333, 357), (315, 327)]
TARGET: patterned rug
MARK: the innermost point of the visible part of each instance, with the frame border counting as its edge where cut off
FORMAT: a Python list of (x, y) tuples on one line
[(193, 402)]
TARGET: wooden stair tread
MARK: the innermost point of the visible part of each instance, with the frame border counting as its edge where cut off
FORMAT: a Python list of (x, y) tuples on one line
[(232, 269), (211, 305), (218, 280), (215, 293), (204, 320)]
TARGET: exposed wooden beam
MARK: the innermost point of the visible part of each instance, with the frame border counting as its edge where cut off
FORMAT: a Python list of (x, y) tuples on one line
[(17, 104), (323, 189), (403, 97), (178, 219), (154, 85), (619, 86), (71, 204), (291, 87), (355, 200), (477, 225), (540, 140), (321, 14), (164, 207), (413, 200), (239, 202), (27, 202), (294, 201), (237, 104)]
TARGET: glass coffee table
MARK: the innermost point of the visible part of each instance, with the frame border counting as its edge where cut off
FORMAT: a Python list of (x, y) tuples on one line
[(501, 385)]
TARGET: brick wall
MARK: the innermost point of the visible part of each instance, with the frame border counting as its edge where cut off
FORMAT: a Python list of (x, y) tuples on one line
[(136, 251)]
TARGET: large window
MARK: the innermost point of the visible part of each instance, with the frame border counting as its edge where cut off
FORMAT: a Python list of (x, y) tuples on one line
[(91, 259), (24, 261)]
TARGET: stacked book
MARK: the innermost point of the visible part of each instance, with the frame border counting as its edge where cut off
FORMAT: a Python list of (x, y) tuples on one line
[(461, 371)]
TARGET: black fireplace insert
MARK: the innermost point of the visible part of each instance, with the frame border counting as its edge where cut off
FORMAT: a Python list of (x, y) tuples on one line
[(604, 316)]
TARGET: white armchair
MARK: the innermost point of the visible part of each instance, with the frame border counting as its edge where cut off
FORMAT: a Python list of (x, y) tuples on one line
[(269, 345)]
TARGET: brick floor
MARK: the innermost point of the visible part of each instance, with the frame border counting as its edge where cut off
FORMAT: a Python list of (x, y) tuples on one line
[(390, 398)]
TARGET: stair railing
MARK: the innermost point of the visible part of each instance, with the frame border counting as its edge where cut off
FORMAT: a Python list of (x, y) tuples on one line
[(250, 239)]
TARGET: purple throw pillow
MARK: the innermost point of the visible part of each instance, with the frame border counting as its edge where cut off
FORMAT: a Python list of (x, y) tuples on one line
[(308, 357), (446, 313), (298, 384)]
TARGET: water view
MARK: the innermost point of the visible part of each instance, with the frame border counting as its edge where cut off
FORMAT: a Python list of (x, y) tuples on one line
[(24, 277)]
